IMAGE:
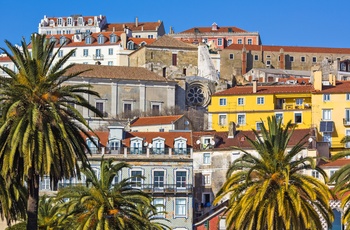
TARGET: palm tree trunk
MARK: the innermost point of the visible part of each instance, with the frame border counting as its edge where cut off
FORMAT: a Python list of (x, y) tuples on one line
[(33, 201)]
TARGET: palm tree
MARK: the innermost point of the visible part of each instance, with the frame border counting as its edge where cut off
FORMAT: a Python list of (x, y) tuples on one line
[(41, 130), (267, 191), (341, 178), (101, 204)]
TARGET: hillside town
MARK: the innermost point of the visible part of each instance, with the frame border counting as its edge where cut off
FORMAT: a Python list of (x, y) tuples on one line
[(181, 107)]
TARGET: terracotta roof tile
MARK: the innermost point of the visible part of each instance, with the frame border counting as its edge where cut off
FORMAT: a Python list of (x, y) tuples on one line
[(223, 142), (168, 136), (341, 87), (240, 90), (169, 42), (301, 49), (157, 120), (117, 72), (142, 26), (4, 59), (102, 136), (220, 29), (336, 163)]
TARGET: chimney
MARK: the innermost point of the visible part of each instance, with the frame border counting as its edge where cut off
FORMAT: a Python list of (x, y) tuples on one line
[(136, 22), (255, 86), (124, 39), (332, 79), (231, 130), (317, 80)]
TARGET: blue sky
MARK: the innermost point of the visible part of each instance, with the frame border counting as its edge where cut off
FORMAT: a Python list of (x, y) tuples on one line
[(316, 23)]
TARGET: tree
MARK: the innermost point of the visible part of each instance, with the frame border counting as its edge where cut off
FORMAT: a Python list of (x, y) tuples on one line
[(267, 191), (41, 130), (341, 178), (103, 204)]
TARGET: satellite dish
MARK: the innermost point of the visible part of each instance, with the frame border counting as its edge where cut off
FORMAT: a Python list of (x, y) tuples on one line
[(310, 139), (146, 143), (198, 142), (150, 145), (212, 142)]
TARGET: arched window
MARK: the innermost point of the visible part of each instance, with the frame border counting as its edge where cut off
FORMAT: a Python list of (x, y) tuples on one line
[(113, 38), (53, 39), (90, 21), (130, 45), (63, 40), (69, 21), (143, 44), (101, 39), (52, 22), (88, 40)]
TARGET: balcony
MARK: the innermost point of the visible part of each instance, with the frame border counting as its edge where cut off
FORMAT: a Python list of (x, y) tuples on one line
[(98, 57), (138, 151), (166, 188)]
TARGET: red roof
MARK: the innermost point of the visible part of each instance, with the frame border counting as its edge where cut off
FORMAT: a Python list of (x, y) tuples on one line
[(263, 89), (168, 136), (301, 49), (142, 26), (157, 120), (220, 29), (337, 163), (4, 59), (341, 87)]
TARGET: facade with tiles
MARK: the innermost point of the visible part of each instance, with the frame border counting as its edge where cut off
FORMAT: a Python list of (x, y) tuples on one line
[(236, 60), (163, 158), (124, 92)]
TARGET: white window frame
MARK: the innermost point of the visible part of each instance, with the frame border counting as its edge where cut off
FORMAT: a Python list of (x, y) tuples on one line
[(186, 179), (154, 181), (258, 125), (326, 114), (159, 203), (110, 51), (326, 97), (240, 101), (239, 41), (60, 53), (314, 59), (85, 52), (260, 100), (348, 96), (299, 101), (206, 159), (110, 63), (222, 119), (222, 101), (219, 41), (315, 174), (182, 210), (302, 59), (231, 56), (229, 42), (327, 137), (239, 121), (277, 115), (250, 41), (137, 180), (206, 179)]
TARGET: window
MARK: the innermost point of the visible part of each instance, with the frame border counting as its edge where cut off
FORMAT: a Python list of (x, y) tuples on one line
[(315, 174), (110, 62), (222, 101), (279, 116), (239, 41), (298, 118), (62, 40), (69, 21), (206, 179), (130, 45), (229, 42), (88, 40), (256, 57), (331, 172), (291, 58), (326, 114), (231, 56), (314, 59), (110, 51), (74, 54), (241, 119), (348, 96), (347, 133), (258, 125), (151, 55), (250, 41), (222, 119), (113, 144), (137, 36), (174, 59), (347, 116), (327, 137), (158, 179), (260, 100), (180, 207), (268, 56), (45, 183), (89, 21), (59, 32), (155, 108), (268, 63), (159, 204), (206, 158), (299, 101), (220, 42), (302, 59), (80, 21), (181, 179), (85, 63), (164, 72), (136, 178), (113, 38), (240, 101), (326, 97), (127, 108), (150, 36), (60, 53), (85, 52)]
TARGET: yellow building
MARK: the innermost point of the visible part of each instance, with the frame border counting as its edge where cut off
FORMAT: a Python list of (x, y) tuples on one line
[(248, 106)]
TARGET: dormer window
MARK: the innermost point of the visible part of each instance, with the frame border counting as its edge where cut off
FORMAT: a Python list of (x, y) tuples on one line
[(63, 40), (143, 44), (180, 145), (52, 22), (130, 45), (93, 144), (59, 21), (88, 40), (113, 38), (80, 21), (114, 146), (158, 145), (90, 21), (53, 39), (69, 21), (101, 39), (136, 145)]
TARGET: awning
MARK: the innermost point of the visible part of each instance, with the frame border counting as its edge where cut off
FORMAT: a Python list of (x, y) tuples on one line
[(326, 126)]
